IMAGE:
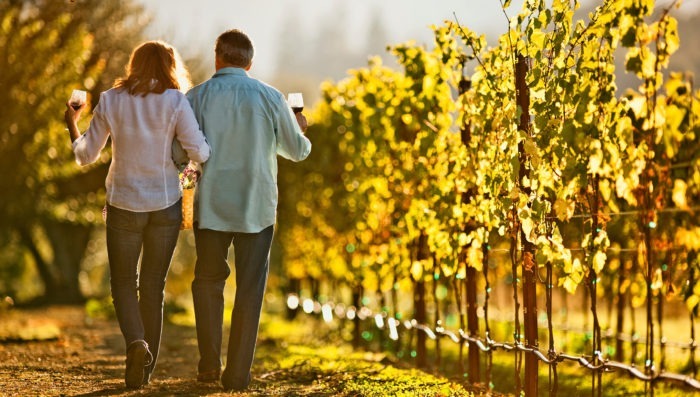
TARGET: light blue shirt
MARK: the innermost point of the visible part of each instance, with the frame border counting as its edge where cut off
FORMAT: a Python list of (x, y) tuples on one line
[(247, 123)]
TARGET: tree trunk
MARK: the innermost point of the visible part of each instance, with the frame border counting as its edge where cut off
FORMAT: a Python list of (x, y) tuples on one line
[(419, 305), (68, 242), (43, 268), (357, 325), (421, 317), (436, 279), (594, 200), (620, 323), (472, 325)]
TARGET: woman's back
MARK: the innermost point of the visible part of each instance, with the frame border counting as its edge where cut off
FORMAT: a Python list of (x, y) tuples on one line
[(142, 176)]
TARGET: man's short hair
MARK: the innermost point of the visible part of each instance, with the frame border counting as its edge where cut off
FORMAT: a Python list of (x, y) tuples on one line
[(234, 48)]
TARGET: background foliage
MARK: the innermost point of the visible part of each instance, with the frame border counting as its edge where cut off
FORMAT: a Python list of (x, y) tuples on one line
[(420, 178), (51, 206), (414, 171)]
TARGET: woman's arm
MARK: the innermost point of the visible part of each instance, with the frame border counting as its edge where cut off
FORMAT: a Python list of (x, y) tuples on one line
[(188, 134), (72, 116), (87, 147)]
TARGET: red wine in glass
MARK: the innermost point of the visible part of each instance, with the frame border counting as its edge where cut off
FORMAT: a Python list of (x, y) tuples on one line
[(296, 101), (77, 99)]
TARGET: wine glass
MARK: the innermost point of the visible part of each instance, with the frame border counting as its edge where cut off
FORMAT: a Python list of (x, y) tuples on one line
[(296, 101), (77, 99)]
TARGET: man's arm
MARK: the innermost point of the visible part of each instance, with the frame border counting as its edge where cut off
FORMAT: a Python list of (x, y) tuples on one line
[(301, 121), (292, 144)]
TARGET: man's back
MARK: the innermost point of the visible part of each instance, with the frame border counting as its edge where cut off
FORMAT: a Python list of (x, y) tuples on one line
[(247, 123)]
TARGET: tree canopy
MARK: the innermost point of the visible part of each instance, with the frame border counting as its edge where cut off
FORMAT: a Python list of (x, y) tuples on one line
[(47, 49)]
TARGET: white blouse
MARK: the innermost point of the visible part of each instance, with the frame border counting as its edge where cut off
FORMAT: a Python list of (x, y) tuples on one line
[(142, 176)]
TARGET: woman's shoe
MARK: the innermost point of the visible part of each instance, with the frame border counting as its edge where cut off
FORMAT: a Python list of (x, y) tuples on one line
[(137, 358), (146, 378)]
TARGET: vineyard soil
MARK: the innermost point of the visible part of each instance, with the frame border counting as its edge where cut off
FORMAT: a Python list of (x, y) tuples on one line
[(59, 351)]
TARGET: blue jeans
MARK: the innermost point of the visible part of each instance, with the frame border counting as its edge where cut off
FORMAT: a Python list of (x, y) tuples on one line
[(252, 253), (138, 293)]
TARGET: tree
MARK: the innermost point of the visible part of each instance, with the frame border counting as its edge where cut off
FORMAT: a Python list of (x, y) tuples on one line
[(48, 48)]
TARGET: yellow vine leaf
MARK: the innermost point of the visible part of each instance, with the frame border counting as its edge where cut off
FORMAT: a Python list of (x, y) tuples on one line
[(528, 226), (594, 162), (692, 302), (417, 270), (564, 208), (688, 238), (672, 38), (599, 261), (475, 256), (679, 193)]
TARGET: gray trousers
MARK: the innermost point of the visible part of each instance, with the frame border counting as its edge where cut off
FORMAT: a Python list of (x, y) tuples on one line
[(252, 253)]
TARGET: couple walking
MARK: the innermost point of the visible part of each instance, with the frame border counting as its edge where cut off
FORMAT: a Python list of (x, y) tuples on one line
[(234, 126)]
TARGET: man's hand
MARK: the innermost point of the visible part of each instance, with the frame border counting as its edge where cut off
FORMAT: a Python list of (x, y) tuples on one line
[(301, 120)]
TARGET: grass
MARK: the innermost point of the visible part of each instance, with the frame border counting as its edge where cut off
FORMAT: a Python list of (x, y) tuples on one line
[(308, 356), (292, 360), (338, 371), (15, 328), (572, 379), (301, 357)]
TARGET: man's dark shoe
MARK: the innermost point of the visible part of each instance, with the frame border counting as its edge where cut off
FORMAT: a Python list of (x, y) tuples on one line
[(137, 357), (209, 376), (231, 384)]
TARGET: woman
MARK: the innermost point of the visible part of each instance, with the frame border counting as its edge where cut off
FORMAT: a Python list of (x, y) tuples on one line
[(142, 114)]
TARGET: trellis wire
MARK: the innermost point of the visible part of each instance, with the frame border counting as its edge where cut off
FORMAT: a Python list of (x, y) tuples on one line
[(383, 321)]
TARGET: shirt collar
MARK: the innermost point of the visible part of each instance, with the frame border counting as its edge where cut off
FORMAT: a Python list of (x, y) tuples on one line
[(230, 70)]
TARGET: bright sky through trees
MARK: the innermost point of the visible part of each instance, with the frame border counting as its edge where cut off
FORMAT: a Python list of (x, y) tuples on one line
[(193, 26)]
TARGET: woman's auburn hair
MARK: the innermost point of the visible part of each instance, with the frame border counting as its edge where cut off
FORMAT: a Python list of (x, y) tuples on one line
[(154, 66)]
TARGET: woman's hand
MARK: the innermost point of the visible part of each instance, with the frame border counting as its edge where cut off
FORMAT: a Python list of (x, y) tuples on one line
[(71, 116)]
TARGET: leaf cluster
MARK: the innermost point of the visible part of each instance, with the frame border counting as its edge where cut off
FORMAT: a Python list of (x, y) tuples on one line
[(437, 150)]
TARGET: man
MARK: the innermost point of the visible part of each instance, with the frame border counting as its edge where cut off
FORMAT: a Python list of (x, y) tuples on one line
[(247, 123)]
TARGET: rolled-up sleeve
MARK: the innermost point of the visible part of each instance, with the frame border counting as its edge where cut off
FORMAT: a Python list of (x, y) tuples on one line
[(189, 135), (88, 146), (292, 144)]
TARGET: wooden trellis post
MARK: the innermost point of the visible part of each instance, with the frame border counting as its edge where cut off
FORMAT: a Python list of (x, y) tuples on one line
[(529, 267)]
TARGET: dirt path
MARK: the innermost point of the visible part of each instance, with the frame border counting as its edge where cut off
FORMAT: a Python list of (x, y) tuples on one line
[(86, 359), (81, 356)]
